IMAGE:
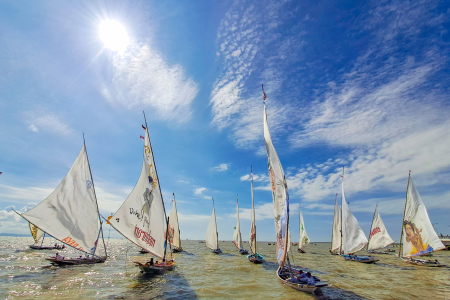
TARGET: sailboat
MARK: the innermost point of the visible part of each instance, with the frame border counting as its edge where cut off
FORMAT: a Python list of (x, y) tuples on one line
[(142, 217), (286, 273), (254, 257), (304, 239), (336, 237), (70, 214), (418, 236), (39, 236), (379, 237), (212, 237), (353, 238), (237, 239), (174, 229)]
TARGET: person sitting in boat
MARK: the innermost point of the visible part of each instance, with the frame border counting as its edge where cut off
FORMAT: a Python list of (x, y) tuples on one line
[(57, 256), (310, 280), (88, 257), (81, 257), (436, 262), (151, 262)]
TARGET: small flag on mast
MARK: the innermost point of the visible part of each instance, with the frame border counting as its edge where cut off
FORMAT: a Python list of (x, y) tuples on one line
[(143, 127), (264, 94), (142, 138)]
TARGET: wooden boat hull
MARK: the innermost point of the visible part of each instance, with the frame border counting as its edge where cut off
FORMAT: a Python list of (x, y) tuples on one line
[(364, 260), (284, 278), (176, 249), (256, 259), (74, 262), (422, 262), (300, 250), (34, 247), (143, 251), (217, 251), (378, 252), (157, 269), (243, 252)]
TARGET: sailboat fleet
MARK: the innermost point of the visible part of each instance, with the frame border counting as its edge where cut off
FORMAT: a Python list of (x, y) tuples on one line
[(70, 215)]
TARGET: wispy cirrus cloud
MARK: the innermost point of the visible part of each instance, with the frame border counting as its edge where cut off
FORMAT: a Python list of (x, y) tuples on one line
[(143, 77), (49, 122), (221, 167), (200, 190)]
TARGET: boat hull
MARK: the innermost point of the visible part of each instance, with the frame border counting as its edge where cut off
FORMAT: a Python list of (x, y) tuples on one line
[(364, 260), (284, 277), (217, 251), (243, 252), (256, 259), (378, 252), (422, 262), (300, 250), (176, 249), (74, 262), (156, 269), (34, 247)]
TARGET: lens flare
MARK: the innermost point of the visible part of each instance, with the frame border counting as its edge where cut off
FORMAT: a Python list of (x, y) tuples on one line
[(113, 35)]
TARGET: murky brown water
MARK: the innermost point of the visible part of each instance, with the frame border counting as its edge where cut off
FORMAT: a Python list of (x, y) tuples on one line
[(201, 274)]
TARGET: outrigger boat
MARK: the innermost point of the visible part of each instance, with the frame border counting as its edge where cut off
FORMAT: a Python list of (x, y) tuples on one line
[(212, 237), (353, 238), (237, 239), (39, 236), (304, 239), (254, 257), (174, 228), (142, 217), (285, 273), (336, 236), (379, 237), (70, 214), (418, 237)]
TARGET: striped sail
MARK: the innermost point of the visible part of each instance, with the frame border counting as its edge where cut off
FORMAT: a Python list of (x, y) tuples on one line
[(212, 237), (279, 194), (174, 228), (378, 237), (304, 239), (237, 240), (336, 232), (418, 235), (252, 240), (141, 218), (70, 213)]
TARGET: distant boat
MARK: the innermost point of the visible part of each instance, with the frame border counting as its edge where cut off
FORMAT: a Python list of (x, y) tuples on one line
[(285, 273), (303, 239), (336, 237), (212, 237), (39, 236), (237, 239), (174, 229), (378, 237), (255, 257), (70, 214), (418, 236), (142, 217), (353, 238)]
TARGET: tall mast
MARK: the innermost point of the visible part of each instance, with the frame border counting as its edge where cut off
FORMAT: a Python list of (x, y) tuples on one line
[(332, 228), (404, 210), (253, 207), (215, 222), (96, 201), (342, 220)]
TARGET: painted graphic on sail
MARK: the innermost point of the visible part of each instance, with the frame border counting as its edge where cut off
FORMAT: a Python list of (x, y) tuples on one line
[(336, 232), (304, 239), (418, 236), (252, 240), (212, 241), (141, 218), (353, 238), (237, 240), (70, 213), (36, 233), (379, 237), (280, 195), (174, 229)]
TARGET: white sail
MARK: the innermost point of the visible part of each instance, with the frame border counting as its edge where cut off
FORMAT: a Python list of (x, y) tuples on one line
[(237, 240), (70, 213), (36, 233), (174, 229), (279, 194), (252, 240), (212, 241), (336, 232), (141, 218), (304, 239), (418, 235), (379, 237), (353, 238)]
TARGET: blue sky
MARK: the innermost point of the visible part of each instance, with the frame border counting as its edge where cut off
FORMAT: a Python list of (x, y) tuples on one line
[(361, 85)]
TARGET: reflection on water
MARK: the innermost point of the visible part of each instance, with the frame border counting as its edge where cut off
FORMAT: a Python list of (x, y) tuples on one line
[(201, 274)]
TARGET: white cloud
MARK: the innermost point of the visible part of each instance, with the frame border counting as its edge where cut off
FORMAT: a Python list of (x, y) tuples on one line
[(27, 193), (256, 178), (143, 78), (221, 167), (44, 121), (200, 190)]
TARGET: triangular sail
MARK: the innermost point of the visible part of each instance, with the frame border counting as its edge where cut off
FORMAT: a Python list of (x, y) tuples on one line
[(141, 218), (174, 229), (212, 241), (237, 240), (353, 238), (304, 239), (336, 232), (379, 237), (418, 235), (36, 233), (70, 213), (252, 240), (279, 194)]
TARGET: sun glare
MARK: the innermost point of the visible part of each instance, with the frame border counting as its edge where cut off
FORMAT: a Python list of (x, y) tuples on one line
[(113, 35)]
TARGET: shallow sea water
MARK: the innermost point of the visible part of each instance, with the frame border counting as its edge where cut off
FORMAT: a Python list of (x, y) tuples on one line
[(200, 274)]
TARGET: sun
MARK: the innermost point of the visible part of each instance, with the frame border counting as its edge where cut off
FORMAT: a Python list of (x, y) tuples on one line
[(113, 35)]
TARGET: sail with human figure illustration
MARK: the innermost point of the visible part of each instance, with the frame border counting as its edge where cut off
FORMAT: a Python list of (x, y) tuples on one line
[(36, 233), (304, 239), (174, 228), (418, 235)]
